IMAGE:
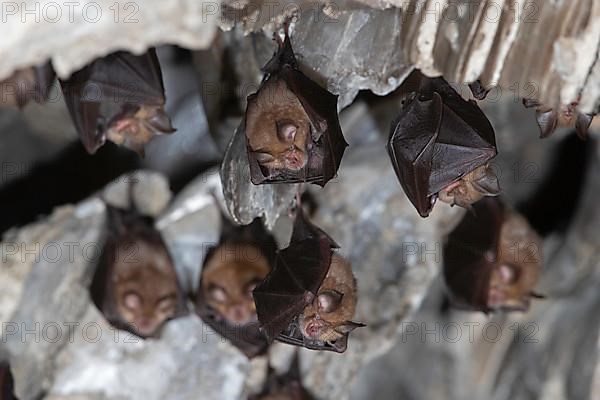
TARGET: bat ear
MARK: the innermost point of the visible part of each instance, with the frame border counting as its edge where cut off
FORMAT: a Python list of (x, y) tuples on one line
[(348, 327), (547, 121), (582, 125), (488, 183)]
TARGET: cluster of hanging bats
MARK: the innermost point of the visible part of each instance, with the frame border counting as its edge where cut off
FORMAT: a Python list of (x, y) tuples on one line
[(305, 294)]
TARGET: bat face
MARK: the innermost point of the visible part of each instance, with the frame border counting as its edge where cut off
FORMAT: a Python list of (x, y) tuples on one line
[(277, 128), (326, 318), (229, 277), (439, 147), (27, 84), (146, 290), (492, 260), (230, 272), (136, 128), (472, 187), (135, 285), (567, 116), (120, 98), (291, 124)]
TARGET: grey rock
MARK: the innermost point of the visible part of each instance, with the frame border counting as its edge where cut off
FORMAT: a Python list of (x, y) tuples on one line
[(246, 201)]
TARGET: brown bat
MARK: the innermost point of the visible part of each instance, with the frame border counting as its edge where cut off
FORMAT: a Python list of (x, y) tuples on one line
[(120, 98), (548, 119), (493, 259), (27, 84), (231, 271), (6, 383), (135, 285), (310, 296), (440, 146), (291, 125), (284, 387)]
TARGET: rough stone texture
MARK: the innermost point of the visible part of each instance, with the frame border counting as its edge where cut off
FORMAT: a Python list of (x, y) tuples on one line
[(547, 50), (71, 351), (548, 353), (246, 201), (396, 256), (90, 29)]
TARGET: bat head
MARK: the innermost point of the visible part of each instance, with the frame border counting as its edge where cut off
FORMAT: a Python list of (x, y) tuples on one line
[(277, 128), (328, 317), (472, 187), (228, 278), (135, 126), (146, 290), (517, 267)]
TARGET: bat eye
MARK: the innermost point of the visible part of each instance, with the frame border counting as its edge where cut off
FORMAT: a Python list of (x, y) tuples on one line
[(218, 294), (132, 301), (329, 300)]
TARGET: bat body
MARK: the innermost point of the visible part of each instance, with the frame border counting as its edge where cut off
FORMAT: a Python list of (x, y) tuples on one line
[(135, 285), (6, 383), (310, 296), (27, 84), (492, 260), (439, 147), (284, 387), (291, 126), (120, 98), (231, 270), (549, 119)]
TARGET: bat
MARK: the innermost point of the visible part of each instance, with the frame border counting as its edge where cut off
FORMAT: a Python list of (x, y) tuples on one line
[(440, 145), (548, 119), (33, 83), (291, 124), (310, 295), (135, 284), (478, 90), (284, 387), (120, 98), (6, 383), (492, 260), (231, 271)]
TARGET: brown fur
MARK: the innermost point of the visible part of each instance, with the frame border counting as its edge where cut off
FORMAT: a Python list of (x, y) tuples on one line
[(144, 272), (229, 277), (338, 278), (135, 131), (518, 265), (273, 106), (472, 187)]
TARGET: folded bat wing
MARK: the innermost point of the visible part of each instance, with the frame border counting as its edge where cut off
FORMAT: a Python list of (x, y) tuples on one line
[(293, 283), (437, 138), (467, 267), (411, 148)]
